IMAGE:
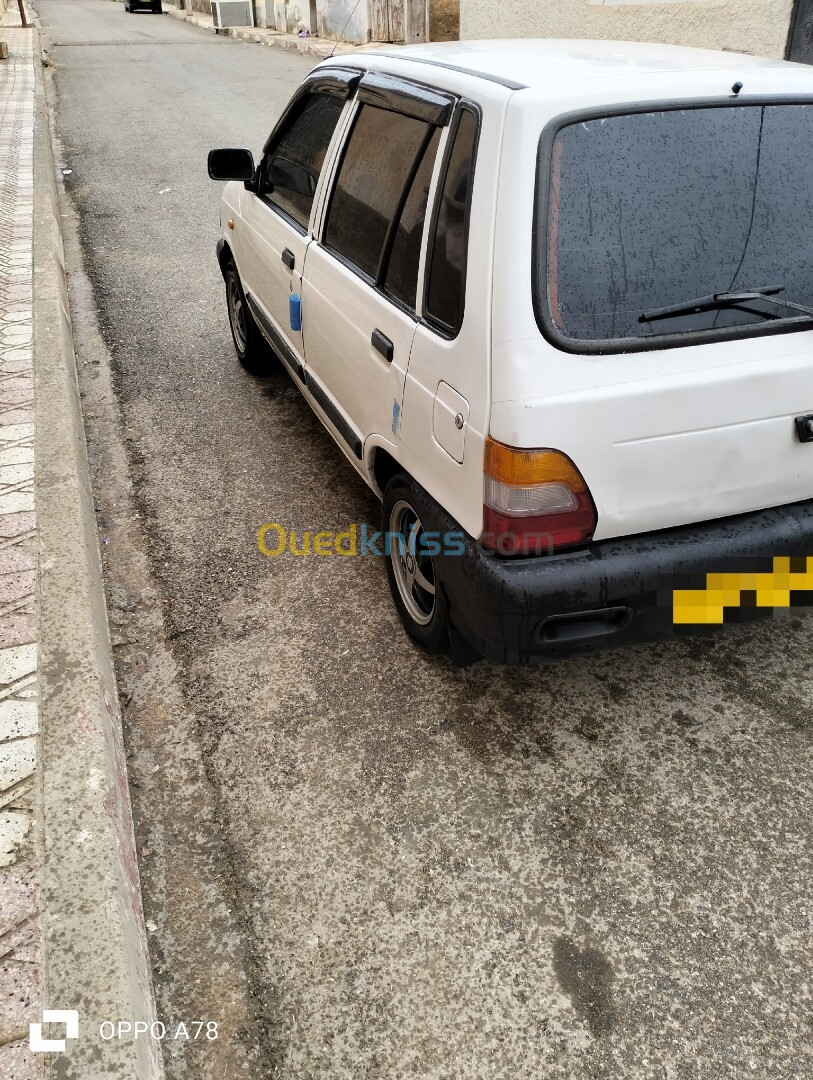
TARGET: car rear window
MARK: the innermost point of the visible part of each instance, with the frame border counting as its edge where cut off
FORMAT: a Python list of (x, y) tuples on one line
[(654, 209)]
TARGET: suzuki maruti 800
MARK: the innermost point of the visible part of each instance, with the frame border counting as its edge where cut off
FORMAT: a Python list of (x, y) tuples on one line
[(555, 298)]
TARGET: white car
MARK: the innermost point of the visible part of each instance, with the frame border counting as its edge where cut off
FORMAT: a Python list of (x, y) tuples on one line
[(554, 301)]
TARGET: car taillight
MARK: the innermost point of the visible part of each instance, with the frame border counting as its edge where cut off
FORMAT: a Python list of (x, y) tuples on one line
[(534, 501)]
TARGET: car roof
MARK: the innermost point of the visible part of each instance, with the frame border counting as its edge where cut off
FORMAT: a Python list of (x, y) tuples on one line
[(559, 66)]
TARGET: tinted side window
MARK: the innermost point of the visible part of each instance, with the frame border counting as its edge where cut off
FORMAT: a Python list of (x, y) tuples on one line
[(292, 166), (378, 161), (401, 279), (446, 282)]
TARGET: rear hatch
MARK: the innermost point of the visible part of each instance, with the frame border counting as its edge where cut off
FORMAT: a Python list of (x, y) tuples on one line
[(674, 276)]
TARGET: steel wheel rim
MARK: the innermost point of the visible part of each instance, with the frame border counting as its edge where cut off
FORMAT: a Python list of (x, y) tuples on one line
[(412, 565), (237, 314)]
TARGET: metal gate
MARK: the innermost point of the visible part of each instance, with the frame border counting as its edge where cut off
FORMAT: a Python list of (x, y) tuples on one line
[(800, 42)]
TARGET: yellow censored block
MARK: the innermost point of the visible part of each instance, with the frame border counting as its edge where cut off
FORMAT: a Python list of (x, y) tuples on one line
[(707, 606)]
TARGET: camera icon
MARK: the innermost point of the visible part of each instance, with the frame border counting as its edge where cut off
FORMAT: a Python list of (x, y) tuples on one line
[(68, 1017)]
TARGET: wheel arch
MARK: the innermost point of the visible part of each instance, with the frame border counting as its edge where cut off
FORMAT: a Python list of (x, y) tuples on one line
[(383, 466), (224, 256)]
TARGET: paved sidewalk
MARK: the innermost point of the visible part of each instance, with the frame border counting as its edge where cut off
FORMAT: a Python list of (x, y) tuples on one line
[(20, 914), (72, 936)]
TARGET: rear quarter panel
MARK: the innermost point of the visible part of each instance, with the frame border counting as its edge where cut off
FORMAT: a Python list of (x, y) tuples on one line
[(463, 362)]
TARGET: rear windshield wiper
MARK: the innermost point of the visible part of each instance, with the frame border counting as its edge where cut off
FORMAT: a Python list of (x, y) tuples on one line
[(723, 300)]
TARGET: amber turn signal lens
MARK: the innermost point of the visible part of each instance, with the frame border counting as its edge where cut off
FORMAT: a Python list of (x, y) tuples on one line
[(535, 502), (524, 468)]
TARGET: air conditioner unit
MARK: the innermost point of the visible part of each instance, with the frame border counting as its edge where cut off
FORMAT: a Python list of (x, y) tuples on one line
[(232, 13)]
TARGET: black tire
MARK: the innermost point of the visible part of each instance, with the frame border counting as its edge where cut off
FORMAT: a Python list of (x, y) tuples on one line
[(249, 344), (157, 8), (408, 511)]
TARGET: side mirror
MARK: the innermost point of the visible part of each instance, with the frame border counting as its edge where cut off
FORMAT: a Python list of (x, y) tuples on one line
[(231, 164), (289, 176)]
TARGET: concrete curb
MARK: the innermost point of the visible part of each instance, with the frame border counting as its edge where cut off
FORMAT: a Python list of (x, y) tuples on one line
[(94, 941)]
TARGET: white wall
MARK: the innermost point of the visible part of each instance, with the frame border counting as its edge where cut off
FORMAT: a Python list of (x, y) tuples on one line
[(291, 16), (755, 26), (332, 20)]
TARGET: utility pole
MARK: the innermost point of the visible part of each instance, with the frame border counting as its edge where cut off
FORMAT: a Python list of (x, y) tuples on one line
[(23, 19)]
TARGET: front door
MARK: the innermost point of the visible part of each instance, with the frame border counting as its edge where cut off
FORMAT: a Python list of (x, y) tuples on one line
[(276, 219), (360, 284)]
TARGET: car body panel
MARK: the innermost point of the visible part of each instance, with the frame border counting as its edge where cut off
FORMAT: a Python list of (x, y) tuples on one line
[(341, 313), (266, 234)]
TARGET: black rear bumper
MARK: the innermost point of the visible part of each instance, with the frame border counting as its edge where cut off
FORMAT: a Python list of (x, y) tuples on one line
[(616, 592)]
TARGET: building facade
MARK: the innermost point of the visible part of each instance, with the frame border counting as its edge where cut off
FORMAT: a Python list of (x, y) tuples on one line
[(356, 21), (761, 27), (775, 28)]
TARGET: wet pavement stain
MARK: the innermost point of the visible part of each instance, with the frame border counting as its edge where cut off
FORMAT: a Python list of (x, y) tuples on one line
[(587, 977)]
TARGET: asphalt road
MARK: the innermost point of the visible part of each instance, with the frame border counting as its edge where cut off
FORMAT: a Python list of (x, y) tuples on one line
[(368, 863)]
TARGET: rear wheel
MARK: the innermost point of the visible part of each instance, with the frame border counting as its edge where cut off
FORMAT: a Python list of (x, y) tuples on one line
[(157, 8), (412, 569), (250, 346)]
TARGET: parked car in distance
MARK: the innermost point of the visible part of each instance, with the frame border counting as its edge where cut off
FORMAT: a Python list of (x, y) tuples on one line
[(155, 6), (552, 297)]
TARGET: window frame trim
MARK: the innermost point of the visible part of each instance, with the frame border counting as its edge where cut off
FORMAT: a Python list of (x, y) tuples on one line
[(334, 79), (540, 233), (418, 101), (434, 186), (312, 84), (445, 331)]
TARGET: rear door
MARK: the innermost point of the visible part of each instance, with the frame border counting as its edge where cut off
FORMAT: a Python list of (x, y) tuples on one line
[(360, 287)]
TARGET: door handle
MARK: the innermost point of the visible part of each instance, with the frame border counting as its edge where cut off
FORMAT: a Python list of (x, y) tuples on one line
[(289, 258), (383, 344)]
